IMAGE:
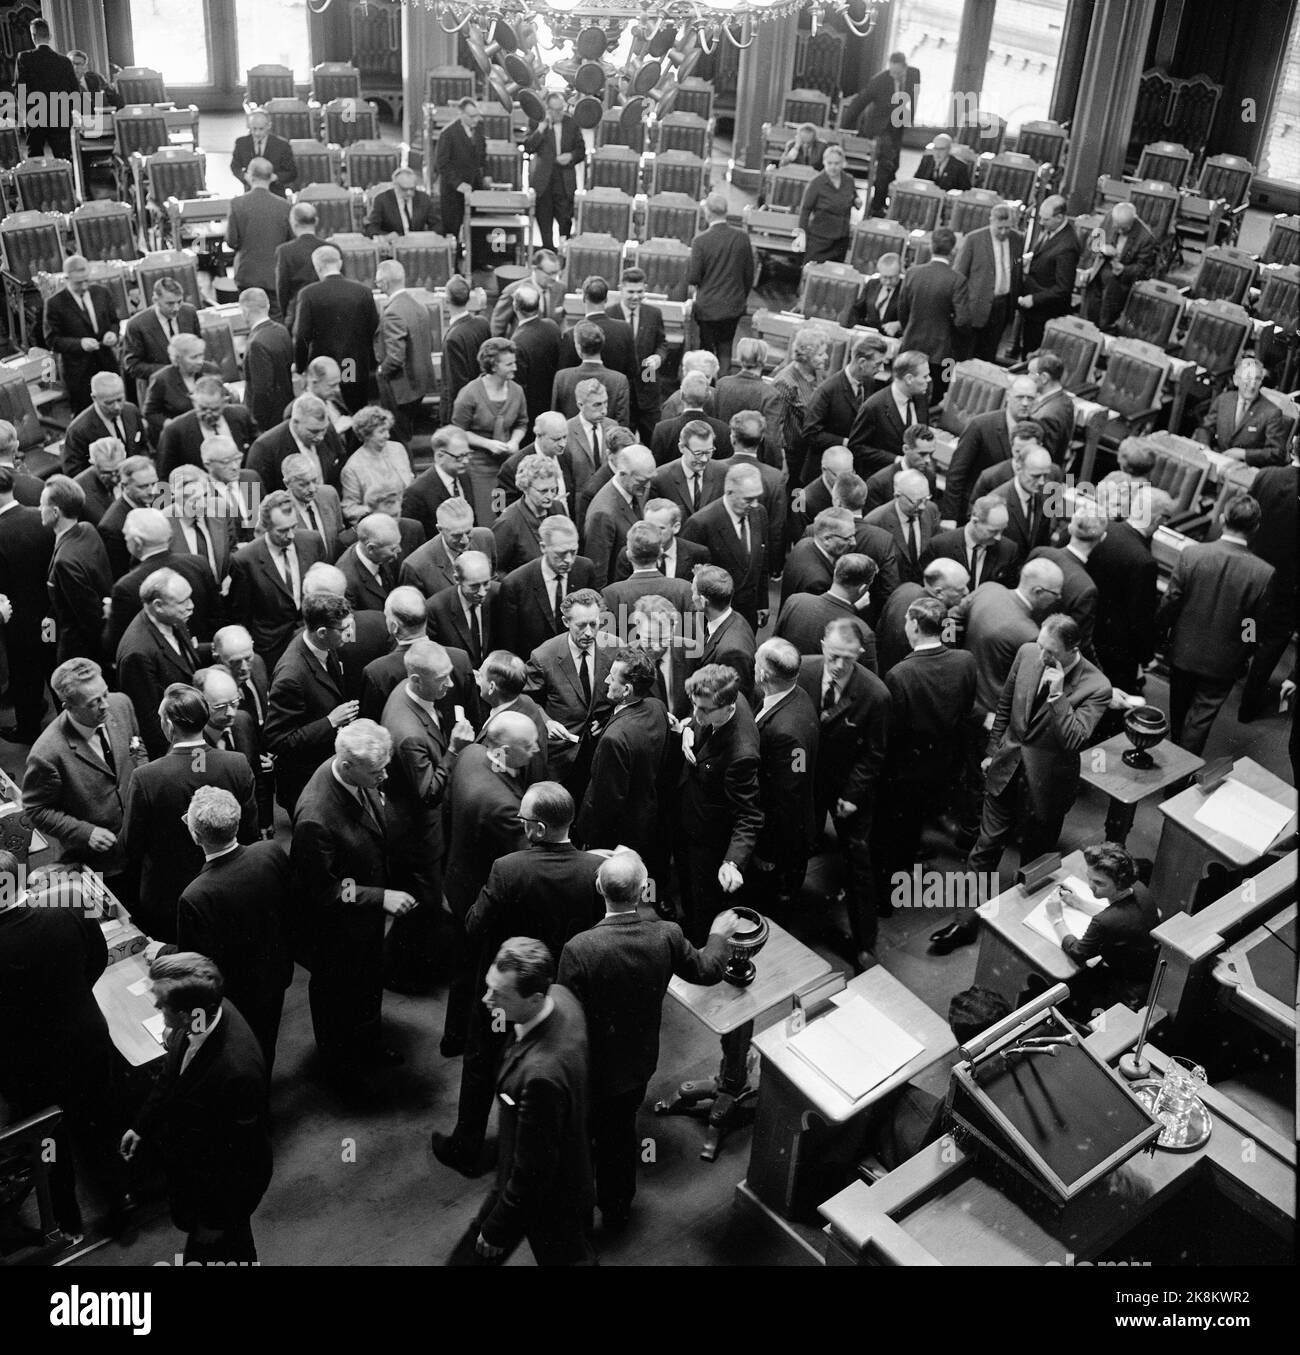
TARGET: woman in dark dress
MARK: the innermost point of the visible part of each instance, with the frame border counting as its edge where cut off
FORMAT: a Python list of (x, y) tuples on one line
[(824, 213)]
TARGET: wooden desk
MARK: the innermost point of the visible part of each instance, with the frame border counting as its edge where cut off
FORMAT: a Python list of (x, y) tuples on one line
[(940, 1207), (807, 1133), (1009, 950), (125, 1011), (1104, 767), (1188, 848), (1256, 977), (786, 968)]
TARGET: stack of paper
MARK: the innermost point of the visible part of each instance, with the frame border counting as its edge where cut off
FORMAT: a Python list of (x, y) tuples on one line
[(1245, 815), (855, 1048), (156, 1027), (1076, 917)]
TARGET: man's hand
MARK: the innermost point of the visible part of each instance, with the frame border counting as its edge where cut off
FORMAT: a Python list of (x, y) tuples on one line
[(800, 242), (1055, 682), (397, 902), (1286, 695), (6, 608), (486, 1250), (892, 328), (267, 762), (101, 839), (729, 877), (556, 730), (110, 339), (564, 158), (1053, 907), (89, 345), (845, 809), (984, 765), (130, 1142), (1025, 302), (465, 188), (762, 617), (462, 735), (726, 923), (344, 713)]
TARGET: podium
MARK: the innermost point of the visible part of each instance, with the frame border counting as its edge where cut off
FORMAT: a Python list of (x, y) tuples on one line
[(498, 228)]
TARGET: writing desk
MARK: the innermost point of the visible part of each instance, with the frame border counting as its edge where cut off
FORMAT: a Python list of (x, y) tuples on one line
[(1126, 787), (785, 968), (126, 1011), (1256, 977), (806, 1129), (1009, 950), (1187, 848)]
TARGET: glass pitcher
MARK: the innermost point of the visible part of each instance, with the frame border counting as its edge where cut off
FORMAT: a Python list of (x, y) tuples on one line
[(1177, 1099)]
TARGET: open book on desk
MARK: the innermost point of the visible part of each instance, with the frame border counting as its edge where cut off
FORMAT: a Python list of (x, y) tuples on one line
[(1076, 915), (855, 1047)]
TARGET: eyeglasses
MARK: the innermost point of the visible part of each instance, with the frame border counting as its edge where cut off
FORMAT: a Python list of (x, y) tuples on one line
[(523, 818), (215, 706)]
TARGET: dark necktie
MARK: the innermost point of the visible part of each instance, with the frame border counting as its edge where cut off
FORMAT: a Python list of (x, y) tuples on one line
[(1035, 518), (584, 677), (744, 536), (456, 491), (976, 564), (258, 146), (476, 632), (1039, 701), (254, 701), (106, 750), (695, 492), (828, 697), (595, 446), (226, 740), (374, 806), (335, 669), (559, 599)]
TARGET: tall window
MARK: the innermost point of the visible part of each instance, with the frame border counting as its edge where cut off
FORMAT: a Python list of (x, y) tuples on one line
[(1279, 152), (171, 36), (926, 31), (273, 33), (1024, 46)]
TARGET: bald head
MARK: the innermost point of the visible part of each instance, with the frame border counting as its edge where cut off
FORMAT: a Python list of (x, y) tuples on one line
[(323, 578), (947, 580), (146, 531), (836, 461), (1041, 582), (621, 881)]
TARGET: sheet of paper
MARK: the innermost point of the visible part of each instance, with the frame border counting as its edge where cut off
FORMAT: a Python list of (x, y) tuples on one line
[(1238, 812), (154, 1025), (1076, 919), (855, 1047), (139, 988)]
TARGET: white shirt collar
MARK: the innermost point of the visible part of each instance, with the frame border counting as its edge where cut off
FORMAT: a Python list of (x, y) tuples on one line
[(547, 1007), (773, 700), (711, 626), (367, 562), (225, 851), (449, 482)]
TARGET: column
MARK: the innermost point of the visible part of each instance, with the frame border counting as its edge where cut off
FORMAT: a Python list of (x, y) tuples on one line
[(79, 24), (424, 44), (1108, 91), (766, 75)]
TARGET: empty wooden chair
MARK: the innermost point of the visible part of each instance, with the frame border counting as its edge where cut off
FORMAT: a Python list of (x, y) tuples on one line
[(335, 80), (446, 84), (349, 120), (429, 259), (827, 288), (44, 186), (1223, 274), (672, 216), (105, 230), (679, 172), (316, 163), (666, 264), (141, 85), (1283, 244), (367, 163), (604, 211), (916, 204), (872, 238), (1167, 161), (1151, 312), (615, 167), (293, 119), (264, 83), (807, 105)]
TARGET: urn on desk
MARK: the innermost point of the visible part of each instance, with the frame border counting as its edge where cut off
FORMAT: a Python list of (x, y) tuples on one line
[(743, 945), (1145, 727)]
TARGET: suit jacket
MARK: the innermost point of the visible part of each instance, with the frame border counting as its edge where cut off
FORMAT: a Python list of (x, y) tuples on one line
[(995, 623), (807, 569), (932, 694), (866, 309), (425, 494), (711, 527), (405, 348), (336, 318), (69, 790), (146, 666), (260, 597), (854, 736), (382, 675), (984, 442), (1139, 256), (1213, 589), (448, 625), (293, 271), (605, 530), (876, 111), (25, 550), (144, 345), (509, 487), (502, 323), (665, 441), (876, 436), (670, 482), (721, 270), (537, 359), (1261, 433), (720, 807), (267, 454), (788, 737), (747, 390), (460, 345), (1049, 280), (554, 684), (268, 374), (732, 644), (98, 498), (66, 324), (954, 173), (565, 384), (298, 730), (621, 805), (804, 617), (125, 597), (651, 340), (385, 216), (1275, 490), (544, 1170), (418, 775), (588, 476), (546, 174), (168, 397), (997, 565), (460, 158), (110, 529), (886, 517), (526, 611), (516, 535), (1018, 530), (1045, 738), (880, 486), (430, 567), (157, 798), (1056, 413), (829, 416), (42, 70), (212, 1124), (620, 970), (1079, 596), (932, 307), (687, 555), (1125, 573), (976, 263), (257, 226), (244, 736), (79, 580), (181, 441), (621, 597), (364, 590), (277, 150), (892, 643), (484, 826)]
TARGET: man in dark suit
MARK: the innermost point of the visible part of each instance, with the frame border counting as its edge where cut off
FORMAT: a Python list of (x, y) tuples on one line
[(26, 546), (990, 261), (237, 731), (804, 616), (404, 350), (444, 479), (650, 344), (550, 439), (460, 164), (720, 635), (543, 1190), (720, 812), (694, 480), (748, 389), (1079, 595), (734, 529), (1029, 525), (160, 794), (432, 566), (835, 403), (46, 77), (918, 454), (401, 209), (932, 308), (109, 415), (978, 546), (911, 519), (232, 648), (170, 392), (722, 272), (208, 1112), (941, 167), (530, 603), (1124, 252), (884, 106), (145, 336), (465, 615), (306, 430), (212, 416), (644, 550), (1053, 409), (678, 558), (615, 508), (79, 770), (257, 226), (370, 564), (546, 891), (1050, 704), (619, 971), (79, 577), (1216, 592), (262, 144), (268, 360), (583, 357), (336, 318), (293, 261), (138, 487), (1275, 489), (266, 576), (666, 441), (986, 441), (80, 323), (853, 707), (557, 147), (876, 437), (1048, 286), (238, 911), (537, 351), (545, 276), (1246, 425), (876, 306), (463, 334), (406, 621)]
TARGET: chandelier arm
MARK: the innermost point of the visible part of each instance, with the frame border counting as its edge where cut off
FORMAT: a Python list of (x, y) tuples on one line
[(852, 27), (442, 15), (736, 42)]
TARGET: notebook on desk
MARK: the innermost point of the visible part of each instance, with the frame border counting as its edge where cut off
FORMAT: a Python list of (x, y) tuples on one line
[(1076, 918), (855, 1047)]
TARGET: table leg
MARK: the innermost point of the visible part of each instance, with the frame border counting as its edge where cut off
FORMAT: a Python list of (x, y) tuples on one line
[(730, 1093), (1119, 821)]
